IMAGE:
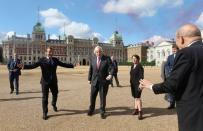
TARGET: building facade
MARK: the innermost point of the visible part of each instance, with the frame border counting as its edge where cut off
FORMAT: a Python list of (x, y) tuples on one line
[(1, 53), (66, 48), (138, 49), (159, 52)]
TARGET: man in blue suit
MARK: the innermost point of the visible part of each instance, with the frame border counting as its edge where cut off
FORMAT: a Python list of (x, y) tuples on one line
[(14, 73), (168, 68)]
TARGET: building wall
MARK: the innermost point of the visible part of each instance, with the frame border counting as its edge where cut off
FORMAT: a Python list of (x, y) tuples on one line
[(77, 51), (160, 52), (1, 53), (137, 49)]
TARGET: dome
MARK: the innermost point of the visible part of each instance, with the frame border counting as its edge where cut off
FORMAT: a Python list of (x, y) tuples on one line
[(70, 37), (95, 39), (116, 37), (38, 28)]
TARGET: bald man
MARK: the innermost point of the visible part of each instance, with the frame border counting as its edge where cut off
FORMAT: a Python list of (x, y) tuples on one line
[(185, 80)]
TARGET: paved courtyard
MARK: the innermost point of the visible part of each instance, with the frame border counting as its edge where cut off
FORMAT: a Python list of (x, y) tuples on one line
[(24, 112)]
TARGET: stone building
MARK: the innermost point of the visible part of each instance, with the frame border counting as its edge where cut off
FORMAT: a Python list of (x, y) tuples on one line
[(138, 49), (1, 53), (160, 52), (66, 48)]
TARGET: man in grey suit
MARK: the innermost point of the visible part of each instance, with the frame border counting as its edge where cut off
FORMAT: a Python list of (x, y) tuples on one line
[(185, 81), (100, 74)]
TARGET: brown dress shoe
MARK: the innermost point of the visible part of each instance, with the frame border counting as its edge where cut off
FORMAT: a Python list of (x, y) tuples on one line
[(135, 112), (140, 115)]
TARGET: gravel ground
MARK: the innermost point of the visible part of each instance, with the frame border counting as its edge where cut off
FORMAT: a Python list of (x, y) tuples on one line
[(24, 112)]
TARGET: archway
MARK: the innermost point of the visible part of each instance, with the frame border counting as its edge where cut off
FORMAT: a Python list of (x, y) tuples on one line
[(83, 62)]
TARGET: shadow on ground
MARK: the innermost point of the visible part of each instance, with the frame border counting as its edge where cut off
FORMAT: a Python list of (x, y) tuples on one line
[(118, 111)]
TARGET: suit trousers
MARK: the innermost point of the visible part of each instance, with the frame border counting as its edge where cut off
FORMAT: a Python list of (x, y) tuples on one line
[(45, 95), (116, 79), (14, 80), (103, 90)]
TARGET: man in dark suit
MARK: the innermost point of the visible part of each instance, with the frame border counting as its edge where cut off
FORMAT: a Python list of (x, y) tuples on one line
[(168, 68), (100, 73), (115, 73), (185, 80), (48, 81), (14, 73)]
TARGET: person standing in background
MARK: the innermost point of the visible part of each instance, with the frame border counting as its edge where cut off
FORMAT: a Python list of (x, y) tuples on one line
[(168, 68), (115, 73), (14, 73)]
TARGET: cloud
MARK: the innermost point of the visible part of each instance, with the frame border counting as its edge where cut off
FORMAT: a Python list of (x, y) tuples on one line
[(199, 21), (156, 39), (139, 8), (54, 36), (53, 18), (5, 35)]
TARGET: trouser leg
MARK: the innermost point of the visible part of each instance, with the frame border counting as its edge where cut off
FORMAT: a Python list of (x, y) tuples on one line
[(11, 80), (45, 95), (93, 96), (103, 90), (111, 82), (116, 79), (16, 81), (54, 91), (172, 99)]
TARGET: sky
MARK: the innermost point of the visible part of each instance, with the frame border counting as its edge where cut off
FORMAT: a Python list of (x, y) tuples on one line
[(135, 20)]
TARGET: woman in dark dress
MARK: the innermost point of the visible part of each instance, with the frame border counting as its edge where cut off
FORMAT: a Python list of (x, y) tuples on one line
[(136, 73)]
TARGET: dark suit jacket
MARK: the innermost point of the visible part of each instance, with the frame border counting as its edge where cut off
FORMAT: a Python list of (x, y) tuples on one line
[(100, 75), (136, 74), (48, 69), (169, 64), (12, 65), (186, 83)]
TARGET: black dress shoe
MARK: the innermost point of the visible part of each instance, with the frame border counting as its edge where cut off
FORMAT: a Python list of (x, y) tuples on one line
[(103, 116), (55, 108), (11, 92), (17, 93), (45, 117), (90, 113), (140, 115), (171, 106), (135, 112)]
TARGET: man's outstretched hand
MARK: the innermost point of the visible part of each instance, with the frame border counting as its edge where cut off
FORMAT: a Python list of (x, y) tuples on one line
[(145, 84)]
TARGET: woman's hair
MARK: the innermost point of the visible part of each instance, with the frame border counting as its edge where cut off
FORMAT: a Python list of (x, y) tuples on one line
[(137, 57)]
